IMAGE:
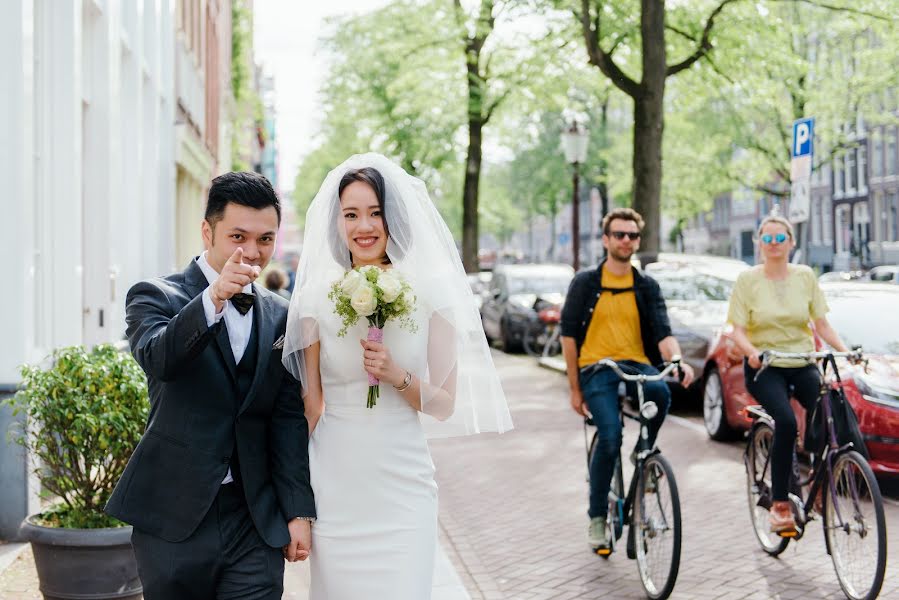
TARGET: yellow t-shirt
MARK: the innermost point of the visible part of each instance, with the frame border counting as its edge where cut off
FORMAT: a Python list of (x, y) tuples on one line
[(777, 314), (614, 330)]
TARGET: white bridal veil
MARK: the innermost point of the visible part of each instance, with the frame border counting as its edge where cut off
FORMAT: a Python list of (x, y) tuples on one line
[(420, 248)]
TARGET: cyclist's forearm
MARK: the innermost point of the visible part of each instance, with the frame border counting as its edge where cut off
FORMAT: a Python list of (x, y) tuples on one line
[(742, 341), (829, 335), (569, 351), (669, 347)]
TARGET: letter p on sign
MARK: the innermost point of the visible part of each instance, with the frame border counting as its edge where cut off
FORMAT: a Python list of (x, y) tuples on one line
[(803, 135)]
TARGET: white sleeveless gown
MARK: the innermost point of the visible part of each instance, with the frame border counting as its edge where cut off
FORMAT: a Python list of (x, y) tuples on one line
[(372, 474)]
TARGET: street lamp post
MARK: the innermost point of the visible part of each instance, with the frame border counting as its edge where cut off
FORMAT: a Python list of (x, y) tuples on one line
[(574, 143)]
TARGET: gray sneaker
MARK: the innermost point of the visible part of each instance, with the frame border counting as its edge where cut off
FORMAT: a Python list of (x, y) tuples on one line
[(598, 533)]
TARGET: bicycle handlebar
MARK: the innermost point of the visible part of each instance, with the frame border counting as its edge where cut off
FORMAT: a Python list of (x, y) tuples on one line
[(674, 363), (767, 356)]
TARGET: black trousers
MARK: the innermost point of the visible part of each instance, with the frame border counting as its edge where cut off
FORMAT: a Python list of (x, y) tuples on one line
[(772, 392), (225, 558)]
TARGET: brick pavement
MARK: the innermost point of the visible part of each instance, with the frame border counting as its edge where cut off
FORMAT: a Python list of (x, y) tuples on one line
[(513, 509)]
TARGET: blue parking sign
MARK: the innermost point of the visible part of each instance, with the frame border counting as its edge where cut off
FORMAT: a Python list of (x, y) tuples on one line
[(803, 137)]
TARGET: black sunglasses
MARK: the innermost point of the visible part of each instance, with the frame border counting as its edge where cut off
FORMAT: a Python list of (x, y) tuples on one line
[(619, 235)]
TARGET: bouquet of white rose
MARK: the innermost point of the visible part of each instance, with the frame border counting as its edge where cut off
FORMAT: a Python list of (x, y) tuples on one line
[(377, 295)]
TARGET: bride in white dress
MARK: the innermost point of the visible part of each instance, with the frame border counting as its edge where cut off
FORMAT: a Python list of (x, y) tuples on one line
[(371, 471)]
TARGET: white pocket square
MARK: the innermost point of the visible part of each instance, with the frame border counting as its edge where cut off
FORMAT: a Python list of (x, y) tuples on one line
[(279, 343)]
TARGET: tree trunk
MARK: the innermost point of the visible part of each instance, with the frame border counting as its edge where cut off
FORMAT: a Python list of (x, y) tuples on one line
[(470, 197), (648, 124), (649, 121)]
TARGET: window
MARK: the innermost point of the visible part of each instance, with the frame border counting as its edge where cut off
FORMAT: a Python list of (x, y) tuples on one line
[(881, 275), (838, 173), (863, 168), (876, 154), (851, 171), (891, 157)]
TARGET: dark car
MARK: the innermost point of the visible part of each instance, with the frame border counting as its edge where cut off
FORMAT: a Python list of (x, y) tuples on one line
[(862, 313), (509, 309)]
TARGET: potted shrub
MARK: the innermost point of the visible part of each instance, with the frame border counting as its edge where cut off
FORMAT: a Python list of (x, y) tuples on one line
[(84, 417)]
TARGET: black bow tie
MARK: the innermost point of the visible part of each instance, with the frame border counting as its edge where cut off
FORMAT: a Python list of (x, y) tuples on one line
[(242, 302)]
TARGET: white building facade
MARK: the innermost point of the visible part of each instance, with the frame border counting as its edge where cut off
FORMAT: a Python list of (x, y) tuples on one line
[(88, 122)]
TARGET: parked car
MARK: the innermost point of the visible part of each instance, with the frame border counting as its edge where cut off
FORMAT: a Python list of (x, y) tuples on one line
[(862, 313), (833, 276), (514, 291), (696, 290), (884, 274)]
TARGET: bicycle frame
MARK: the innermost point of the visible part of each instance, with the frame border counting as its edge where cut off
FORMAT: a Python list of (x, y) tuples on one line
[(832, 449), (642, 417)]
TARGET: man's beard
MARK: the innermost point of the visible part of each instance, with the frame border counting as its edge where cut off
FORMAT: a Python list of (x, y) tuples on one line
[(621, 256)]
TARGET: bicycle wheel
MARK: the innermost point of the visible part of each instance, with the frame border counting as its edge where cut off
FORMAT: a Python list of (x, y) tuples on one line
[(616, 500), (657, 527), (553, 344), (855, 527), (758, 488)]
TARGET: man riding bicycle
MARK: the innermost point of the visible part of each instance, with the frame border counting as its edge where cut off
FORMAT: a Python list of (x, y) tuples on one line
[(615, 311)]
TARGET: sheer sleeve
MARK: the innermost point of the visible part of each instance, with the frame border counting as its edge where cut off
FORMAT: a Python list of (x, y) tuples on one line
[(302, 331)]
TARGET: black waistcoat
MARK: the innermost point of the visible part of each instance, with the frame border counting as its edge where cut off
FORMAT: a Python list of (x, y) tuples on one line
[(246, 370)]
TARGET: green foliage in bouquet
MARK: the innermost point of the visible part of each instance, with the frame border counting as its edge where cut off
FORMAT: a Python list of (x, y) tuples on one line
[(375, 294), (84, 416)]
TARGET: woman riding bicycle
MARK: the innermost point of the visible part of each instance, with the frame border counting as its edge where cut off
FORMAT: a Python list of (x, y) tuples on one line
[(771, 308)]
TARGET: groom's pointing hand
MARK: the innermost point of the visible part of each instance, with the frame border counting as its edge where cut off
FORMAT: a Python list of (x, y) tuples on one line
[(300, 540), (234, 277)]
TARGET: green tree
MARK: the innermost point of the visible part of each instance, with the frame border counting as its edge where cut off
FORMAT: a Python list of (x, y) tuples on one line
[(630, 42), (827, 66)]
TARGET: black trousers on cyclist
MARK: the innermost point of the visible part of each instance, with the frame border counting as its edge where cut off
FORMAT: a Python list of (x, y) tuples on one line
[(600, 391), (771, 391)]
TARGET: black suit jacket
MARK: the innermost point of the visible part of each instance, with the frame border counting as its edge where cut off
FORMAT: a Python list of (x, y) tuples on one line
[(197, 417)]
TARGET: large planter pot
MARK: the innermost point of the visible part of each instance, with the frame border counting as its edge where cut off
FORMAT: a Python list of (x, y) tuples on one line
[(83, 564)]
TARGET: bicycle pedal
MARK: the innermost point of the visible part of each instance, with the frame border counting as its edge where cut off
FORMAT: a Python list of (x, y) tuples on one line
[(788, 534), (604, 552)]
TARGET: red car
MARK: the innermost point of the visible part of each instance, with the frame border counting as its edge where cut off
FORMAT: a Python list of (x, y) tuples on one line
[(862, 313)]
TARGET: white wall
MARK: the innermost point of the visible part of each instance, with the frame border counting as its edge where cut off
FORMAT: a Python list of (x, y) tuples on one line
[(87, 116)]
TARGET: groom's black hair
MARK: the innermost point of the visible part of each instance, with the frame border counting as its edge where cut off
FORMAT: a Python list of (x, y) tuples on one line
[(247, 189)]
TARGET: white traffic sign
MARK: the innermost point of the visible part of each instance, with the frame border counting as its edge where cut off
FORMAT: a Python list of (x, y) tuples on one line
[(801, 169)]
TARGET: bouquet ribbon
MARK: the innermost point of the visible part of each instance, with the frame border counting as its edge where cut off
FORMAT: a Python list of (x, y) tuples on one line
[(375, 334)]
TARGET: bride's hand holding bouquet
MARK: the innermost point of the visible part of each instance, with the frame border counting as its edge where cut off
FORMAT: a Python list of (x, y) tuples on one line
[(379, 296)]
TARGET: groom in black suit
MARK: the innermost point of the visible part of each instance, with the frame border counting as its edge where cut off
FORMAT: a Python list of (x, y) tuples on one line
[(218, 488)]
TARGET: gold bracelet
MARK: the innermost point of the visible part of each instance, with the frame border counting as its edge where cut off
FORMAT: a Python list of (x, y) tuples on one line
[(407, 381)]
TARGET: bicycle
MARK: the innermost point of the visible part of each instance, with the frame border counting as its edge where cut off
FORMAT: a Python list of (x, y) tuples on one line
[(541, 338), (651, 508), (852, 507)]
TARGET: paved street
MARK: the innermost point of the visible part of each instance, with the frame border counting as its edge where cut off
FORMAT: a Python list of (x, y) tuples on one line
[(512, 515), (513, 508)]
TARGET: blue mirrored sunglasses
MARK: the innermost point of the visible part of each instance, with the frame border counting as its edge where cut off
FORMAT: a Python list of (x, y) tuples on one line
[(780, 238)]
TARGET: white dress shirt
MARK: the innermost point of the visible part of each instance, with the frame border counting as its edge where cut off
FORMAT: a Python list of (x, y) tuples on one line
[(239, 326)]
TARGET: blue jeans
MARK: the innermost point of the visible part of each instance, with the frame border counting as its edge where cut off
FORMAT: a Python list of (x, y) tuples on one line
[(600, 391)]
